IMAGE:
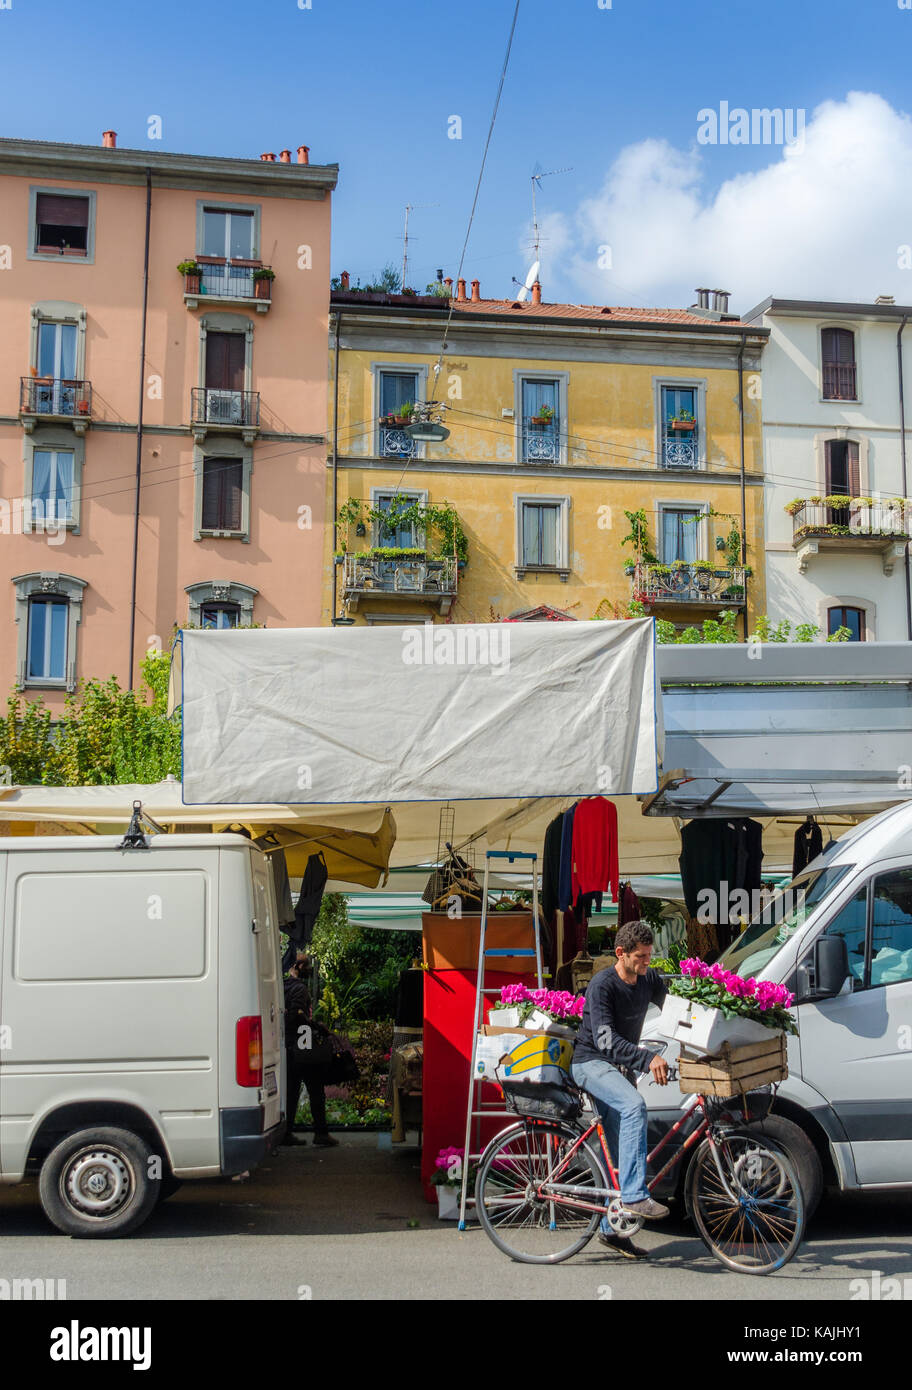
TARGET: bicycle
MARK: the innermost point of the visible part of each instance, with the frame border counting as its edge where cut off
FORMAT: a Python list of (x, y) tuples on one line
[(542, 1180)]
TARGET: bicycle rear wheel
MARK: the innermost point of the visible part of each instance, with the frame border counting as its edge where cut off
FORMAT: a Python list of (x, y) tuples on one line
[(756, 1226), (513, 1168)]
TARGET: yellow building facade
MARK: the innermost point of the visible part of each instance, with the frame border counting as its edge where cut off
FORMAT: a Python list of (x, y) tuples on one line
[(562, 421)]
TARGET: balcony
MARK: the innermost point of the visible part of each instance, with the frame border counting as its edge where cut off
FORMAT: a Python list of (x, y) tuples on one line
[(541, 442), (222, 281), (676, 586), (839, 381), (395, 443), (430, 580), (849, 525), (217, 411), (680, 447), (48, 398)]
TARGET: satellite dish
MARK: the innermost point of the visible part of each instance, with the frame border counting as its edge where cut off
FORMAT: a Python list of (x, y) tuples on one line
[(531, 278)]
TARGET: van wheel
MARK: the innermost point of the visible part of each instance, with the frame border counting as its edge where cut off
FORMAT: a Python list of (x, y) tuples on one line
[(800, 1149), (96, 1183)]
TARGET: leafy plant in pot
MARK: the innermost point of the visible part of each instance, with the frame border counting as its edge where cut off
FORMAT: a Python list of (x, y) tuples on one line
[(545, 415), (192, 272), (263, 277)]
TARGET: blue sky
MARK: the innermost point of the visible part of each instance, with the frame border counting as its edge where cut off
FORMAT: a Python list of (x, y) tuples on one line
[(612, 93)]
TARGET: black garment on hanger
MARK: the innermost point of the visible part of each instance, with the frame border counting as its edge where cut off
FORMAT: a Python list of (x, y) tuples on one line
[(550, 870), (808, 844), (719, 851), (309, 900)]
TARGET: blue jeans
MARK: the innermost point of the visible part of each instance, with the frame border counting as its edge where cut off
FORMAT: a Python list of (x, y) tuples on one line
[(623, 1113)]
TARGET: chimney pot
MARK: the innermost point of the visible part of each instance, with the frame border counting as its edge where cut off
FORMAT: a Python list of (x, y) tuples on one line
[(268, 158), (476, 291), (303, 154), (702, 298), (536, 292), (460, 290), (345, 279), (285, 156), (109, 139), (720, 301), (448, 281)]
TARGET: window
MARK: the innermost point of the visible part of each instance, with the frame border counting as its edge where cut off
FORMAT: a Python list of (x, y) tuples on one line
[(891, 937), (404, 536), (57, 350), (540, 420), (214, 615), (852, 618), (223, 481), (842, 472), (221, 604), (838, 354), (228, 232), (53, 482), (542, 534), (679, 426), (48, 613), (851, 923), (396, 389), (680, 534), (47, 639), (61, 224)]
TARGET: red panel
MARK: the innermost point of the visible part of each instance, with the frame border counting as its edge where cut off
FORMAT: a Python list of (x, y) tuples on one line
[(449, 1011)]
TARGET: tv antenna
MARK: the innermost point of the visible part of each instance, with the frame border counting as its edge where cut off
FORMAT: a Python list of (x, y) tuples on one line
[(537, 175), (410, 207)]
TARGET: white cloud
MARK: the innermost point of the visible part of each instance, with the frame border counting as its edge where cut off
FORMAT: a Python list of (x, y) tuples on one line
[(823, 221)]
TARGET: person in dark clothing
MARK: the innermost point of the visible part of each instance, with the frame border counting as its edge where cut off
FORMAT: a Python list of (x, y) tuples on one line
[(300, 1033), (607, 1053)]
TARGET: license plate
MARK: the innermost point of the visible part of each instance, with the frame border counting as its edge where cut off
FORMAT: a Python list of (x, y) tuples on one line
[(272, 1085)]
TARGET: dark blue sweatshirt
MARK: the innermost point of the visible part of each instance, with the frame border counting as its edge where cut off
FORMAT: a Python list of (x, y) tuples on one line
[(613, 1019)]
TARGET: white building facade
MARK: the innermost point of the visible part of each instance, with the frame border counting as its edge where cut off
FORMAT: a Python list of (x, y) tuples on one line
[(837, 515)]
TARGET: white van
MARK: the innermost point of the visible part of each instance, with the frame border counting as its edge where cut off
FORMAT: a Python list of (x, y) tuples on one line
[(844, 948), (141, 1038)]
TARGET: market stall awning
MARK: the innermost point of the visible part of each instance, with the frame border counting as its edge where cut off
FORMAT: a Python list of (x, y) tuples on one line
[(357, 841), (429, 713)]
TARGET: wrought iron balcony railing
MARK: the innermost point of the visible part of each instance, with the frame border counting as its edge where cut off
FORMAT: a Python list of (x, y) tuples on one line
[(541, 439), (407, 577), (395, 443), (210, 405), (58, 397), (839, 381), (656, 584), (680, 448)]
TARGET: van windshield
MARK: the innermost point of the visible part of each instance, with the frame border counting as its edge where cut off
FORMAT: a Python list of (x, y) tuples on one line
[(780, 919)]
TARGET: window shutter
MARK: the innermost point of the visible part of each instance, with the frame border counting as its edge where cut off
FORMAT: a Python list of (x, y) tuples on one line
[(852, 468), (56, 210), (222, 494)]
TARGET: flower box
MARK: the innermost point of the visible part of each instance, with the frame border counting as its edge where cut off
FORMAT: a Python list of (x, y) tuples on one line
[(735, 1070), (447, 1203), (703, 1030), (539, 1022), (504, 1018)]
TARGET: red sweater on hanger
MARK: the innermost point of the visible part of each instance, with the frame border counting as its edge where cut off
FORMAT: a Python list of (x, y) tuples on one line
[(595, 847)]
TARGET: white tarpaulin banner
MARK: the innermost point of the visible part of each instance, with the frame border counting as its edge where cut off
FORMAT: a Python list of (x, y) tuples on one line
[(418, 713)]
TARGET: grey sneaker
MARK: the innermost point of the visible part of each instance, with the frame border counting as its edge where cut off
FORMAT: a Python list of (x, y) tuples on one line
[(648, 1209)]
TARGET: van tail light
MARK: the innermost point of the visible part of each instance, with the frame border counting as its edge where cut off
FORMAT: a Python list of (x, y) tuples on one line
[(250, 1051)]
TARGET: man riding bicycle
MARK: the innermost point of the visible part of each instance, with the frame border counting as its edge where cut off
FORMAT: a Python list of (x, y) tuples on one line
[(607, 1054)]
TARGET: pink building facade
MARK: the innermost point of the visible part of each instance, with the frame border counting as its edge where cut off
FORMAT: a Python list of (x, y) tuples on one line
[(162, 434)]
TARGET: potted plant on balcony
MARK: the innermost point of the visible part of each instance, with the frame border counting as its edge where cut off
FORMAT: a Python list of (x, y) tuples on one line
[(403, 415), (192, 272), (82, 406), (702, 573), (263, 277), (683, 422), (545, 415)]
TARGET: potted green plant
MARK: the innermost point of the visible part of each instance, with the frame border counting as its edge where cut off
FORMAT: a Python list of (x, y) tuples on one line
[(263, 277), (403, 415), (545, 415), (683, 422), (702, 573), (192, 272)]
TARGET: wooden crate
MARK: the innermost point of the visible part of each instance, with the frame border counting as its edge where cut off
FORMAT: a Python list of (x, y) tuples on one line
[(734, 1070)]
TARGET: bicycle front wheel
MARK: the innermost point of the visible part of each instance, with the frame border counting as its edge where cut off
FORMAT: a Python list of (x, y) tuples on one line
[(512, 1181), (748, 1208)]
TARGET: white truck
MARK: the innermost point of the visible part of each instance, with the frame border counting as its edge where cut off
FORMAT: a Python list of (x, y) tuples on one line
[(141, 1013), (840, 938)]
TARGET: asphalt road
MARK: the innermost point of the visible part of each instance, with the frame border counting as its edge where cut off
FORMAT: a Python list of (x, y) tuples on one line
[(335, 1224)]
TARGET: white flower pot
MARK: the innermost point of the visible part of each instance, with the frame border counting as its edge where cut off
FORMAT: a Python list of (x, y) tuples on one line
[(539, 1022), (447, 1203), (703, 1030), (504, 1018)]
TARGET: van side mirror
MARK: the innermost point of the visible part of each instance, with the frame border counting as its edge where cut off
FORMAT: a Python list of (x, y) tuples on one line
[(831, 965)]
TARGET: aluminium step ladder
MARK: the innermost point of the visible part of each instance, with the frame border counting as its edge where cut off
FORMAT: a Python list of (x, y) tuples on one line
[(476, 1108)]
